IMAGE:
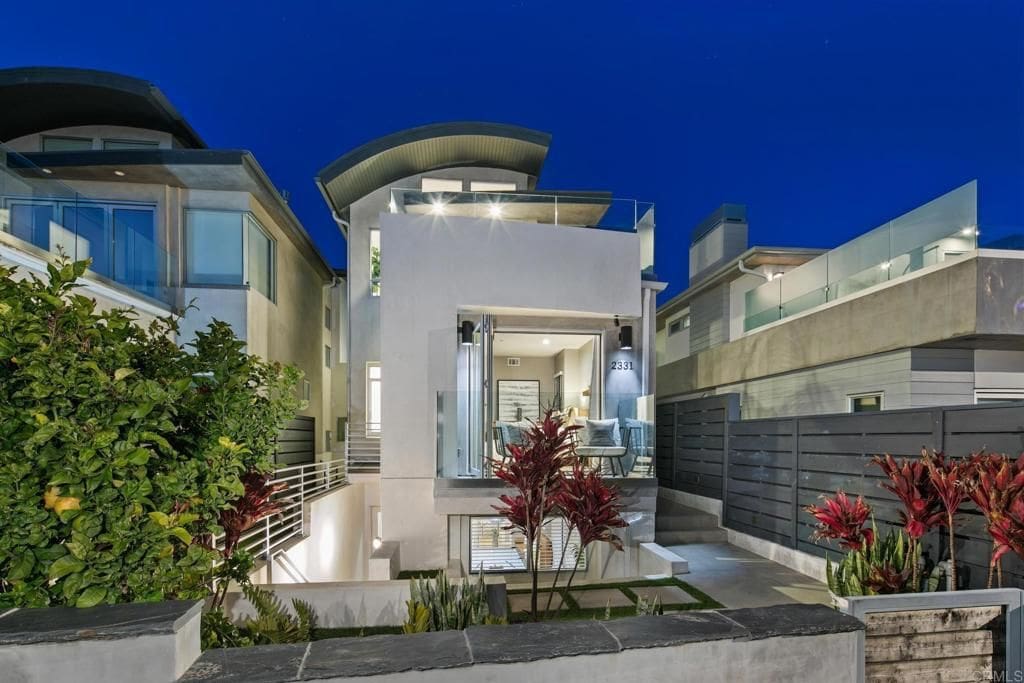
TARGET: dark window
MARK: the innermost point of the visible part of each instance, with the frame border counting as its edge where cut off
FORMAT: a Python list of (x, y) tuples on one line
[(867, 403), (53, 143)]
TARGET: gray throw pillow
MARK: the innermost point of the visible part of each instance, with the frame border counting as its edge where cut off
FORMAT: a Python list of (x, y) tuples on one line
[(601, 433)]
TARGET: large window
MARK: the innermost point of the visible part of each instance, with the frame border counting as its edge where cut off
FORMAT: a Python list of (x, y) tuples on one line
[(213, 247), (119, 238), (496, 549), (57, 143)]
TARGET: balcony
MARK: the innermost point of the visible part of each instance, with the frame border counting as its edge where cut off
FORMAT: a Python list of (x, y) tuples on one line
[(465, 450), (944, 228), (44, 217), (593, 210)]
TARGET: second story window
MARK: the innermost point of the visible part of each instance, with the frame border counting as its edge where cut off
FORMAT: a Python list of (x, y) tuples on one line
[(131, 144), (441, 185), (61, 143), (491, 186), (375, 262), (229, 248), (327, 317)]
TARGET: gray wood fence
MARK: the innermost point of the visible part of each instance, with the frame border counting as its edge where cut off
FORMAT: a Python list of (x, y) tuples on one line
[(296, 444), (764, 471)]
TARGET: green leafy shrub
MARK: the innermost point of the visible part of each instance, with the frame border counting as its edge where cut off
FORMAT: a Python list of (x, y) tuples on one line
[(118, 449)]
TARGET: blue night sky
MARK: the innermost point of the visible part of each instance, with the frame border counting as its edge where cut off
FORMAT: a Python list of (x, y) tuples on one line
[(825, 118)]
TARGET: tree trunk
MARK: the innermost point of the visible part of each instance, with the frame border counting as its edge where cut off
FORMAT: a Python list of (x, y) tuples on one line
[(952, 556)]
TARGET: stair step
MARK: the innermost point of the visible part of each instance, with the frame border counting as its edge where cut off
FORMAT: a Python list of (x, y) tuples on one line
[(669, 538), (676, 522)]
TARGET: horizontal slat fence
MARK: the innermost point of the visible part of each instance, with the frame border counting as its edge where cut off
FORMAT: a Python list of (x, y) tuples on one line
[(766, 470), (296, 443)]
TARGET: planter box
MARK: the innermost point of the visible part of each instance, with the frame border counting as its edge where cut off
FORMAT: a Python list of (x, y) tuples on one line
[(962, 635)]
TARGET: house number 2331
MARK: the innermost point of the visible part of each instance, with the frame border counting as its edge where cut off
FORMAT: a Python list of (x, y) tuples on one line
[(622, 365)]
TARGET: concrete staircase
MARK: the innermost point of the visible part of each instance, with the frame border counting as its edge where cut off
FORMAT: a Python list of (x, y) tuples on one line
[(675, 524)]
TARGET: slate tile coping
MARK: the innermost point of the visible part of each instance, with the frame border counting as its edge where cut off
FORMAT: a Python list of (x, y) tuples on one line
[(26, 626), (390, 654)]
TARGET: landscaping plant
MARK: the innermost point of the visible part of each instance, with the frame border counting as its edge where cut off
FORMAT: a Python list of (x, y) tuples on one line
[(437, 604), (948, 478), (995, 485), (119, 450)]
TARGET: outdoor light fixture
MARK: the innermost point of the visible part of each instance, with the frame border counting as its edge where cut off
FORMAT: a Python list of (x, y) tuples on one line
[(545, 341), (626, 337), (377, 543), (47, 171), (119, 174), (437, 207), (968, 232), (495, 210), (466, 333), (885, 266)]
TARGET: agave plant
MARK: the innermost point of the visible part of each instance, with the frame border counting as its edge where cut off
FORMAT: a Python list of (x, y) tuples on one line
[(995, 481), (922, 509), (843, 520), (439, 605), (880, 567), (948, 478)]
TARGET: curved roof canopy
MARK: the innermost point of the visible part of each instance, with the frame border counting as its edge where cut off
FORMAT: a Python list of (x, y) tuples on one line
[(428, 148), (34, 99)]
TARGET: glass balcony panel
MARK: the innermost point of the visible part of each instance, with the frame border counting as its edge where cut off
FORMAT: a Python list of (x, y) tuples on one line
[(763, 304), (804, 287)]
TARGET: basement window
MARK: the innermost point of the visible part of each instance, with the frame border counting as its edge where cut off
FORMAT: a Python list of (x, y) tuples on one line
[(866, 403), (497, 549)]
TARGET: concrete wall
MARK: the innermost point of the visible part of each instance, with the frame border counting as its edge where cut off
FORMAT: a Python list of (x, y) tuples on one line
[(348, 604), (439, 266), (337, 541)]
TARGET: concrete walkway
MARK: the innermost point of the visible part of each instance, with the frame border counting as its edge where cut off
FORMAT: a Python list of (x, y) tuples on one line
[(737, 578)]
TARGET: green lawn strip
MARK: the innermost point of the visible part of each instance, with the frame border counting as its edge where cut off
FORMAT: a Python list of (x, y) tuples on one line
[(355, 632)]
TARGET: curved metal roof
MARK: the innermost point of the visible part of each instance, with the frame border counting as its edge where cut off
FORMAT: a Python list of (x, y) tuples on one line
[(428, 148), (35, 99)]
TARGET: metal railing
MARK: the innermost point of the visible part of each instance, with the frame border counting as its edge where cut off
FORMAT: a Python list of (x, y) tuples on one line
[(362, 447), (304, 483)]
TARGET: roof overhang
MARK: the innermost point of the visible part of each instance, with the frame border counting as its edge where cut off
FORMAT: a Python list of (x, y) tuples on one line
[(410, 152), (751, 258), (35, 99), (197, 169)]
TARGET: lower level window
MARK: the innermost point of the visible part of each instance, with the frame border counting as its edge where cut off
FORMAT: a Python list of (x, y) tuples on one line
[(866, 403), (496, 549)]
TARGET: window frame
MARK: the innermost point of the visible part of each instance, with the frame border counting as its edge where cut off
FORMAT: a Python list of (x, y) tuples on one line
[(138, 144), (43, 139), (328, 321), (251, 221), (852, 398), (247, 218)]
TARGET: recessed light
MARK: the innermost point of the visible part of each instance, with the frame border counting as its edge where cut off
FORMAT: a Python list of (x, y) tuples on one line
[(885, 266), (495, 210), (968, 232), (119, 174), (437, 207), (545, 341), (47, 171)]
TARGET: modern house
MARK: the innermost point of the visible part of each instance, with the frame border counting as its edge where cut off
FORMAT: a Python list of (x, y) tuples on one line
[(924, 310), (100, 165), (475, 302)]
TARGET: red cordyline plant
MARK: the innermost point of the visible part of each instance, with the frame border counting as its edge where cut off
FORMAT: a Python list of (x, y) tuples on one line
[(534, 469), (1007, 531), (922, 509), (255, 504), (949, 478), (995, 483), (843, 520), (593, 509)]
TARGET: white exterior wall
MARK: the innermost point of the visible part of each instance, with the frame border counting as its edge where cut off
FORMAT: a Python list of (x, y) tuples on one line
[(435, 267)]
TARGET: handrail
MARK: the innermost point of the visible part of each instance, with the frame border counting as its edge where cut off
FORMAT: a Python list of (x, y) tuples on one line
[(304, 482)]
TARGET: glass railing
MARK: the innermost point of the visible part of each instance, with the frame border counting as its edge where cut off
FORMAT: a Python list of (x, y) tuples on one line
[(41, 215), (584, 210), (943, 229), (616, 431)]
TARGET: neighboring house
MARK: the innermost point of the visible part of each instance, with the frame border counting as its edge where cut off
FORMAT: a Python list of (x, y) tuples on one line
[(101, 166), (910, 314), (475, 301)]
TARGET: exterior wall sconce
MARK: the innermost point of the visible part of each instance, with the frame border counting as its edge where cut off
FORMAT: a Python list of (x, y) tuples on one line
[(466, 333), (626, 337)]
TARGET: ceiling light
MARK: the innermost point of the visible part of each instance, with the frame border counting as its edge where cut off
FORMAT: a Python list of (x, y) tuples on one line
[(377, 543), (119, 174), (545, 341), (495, 210), (47, 171), (884, 266), (969, 232), (437, 207)]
